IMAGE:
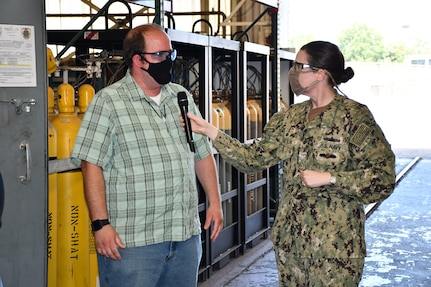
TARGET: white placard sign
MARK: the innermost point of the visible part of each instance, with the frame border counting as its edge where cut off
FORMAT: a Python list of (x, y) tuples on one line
[(17, 56)]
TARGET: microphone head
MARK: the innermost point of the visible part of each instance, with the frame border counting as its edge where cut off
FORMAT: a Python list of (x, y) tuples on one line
[(182, 99)]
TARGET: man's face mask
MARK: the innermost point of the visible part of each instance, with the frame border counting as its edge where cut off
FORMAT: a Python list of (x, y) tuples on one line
[(160, 69), (294, 72)]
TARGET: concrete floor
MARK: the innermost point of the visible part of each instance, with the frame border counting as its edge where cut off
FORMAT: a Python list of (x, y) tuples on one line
[(398, 236)]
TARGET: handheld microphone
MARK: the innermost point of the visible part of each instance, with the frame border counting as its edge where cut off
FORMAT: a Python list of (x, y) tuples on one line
[(183, 103)]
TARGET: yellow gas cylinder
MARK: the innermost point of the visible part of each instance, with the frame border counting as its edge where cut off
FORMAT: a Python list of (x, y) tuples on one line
[(51, 104), (52, 210), (73, 260), (94, 269), (85, 95), (51, 64)]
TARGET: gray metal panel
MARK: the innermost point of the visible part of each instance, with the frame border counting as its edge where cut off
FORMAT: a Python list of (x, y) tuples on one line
[(255, 48), (23, 235), (187, 37), (216, 42)]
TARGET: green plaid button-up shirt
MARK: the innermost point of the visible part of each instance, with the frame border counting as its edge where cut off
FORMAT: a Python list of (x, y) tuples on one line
[(149, 171)]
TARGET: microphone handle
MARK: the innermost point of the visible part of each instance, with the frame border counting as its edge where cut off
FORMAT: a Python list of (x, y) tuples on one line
[(188, 128)]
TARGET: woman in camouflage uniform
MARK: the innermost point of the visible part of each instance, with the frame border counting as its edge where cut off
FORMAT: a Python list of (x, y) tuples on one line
[(335, 159)]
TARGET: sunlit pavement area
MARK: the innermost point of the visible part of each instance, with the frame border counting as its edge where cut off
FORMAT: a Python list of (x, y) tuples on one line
[(398, 234), (398, 237)]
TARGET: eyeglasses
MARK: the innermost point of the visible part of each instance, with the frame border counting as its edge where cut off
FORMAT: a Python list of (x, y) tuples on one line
[(161, 55), (298, 67)]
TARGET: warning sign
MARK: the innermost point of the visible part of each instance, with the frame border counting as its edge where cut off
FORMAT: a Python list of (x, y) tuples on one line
[(91, 35)]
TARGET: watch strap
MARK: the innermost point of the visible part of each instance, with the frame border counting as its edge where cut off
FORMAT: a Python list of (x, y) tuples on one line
[(98, 224)]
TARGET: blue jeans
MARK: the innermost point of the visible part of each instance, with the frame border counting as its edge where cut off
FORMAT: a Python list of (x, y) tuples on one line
[(158, 265)]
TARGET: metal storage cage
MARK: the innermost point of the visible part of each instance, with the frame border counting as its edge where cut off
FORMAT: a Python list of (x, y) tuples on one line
[(253, 104), (224, 115)]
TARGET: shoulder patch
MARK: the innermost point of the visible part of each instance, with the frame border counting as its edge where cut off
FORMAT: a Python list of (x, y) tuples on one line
[(360, 135)]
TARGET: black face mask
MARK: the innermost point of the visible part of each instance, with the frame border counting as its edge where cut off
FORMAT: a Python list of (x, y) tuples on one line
[(161, 72)]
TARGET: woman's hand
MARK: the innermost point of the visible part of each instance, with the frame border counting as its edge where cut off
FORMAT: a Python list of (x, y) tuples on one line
[(311, 178), (201, 126)]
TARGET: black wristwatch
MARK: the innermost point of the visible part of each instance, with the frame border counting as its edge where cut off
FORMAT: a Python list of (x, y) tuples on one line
[(98, 224)]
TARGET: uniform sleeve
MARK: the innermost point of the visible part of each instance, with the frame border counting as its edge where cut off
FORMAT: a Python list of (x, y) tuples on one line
[(372, 177), (258, 155)]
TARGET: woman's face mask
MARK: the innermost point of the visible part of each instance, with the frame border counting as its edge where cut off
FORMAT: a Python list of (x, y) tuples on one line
[(295, 85)]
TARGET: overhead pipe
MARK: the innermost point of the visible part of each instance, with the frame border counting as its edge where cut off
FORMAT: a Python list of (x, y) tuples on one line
[(167, 14), (104, 9), (129, 15), (254, 22), (205, 21)]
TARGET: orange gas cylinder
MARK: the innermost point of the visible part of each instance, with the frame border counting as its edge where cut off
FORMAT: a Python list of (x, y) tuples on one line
[(85, 95), (247, 123), (214, 117), (251, 177), (219, 114), (215, 121), (256, 103), (226, 124), (225, 169), (227, 183), (253, 120), (73, 260)]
